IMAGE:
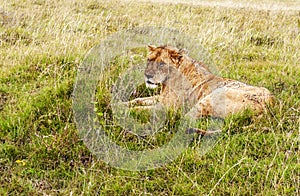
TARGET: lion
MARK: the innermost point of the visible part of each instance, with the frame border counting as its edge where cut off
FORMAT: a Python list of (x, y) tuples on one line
[(185, 81)]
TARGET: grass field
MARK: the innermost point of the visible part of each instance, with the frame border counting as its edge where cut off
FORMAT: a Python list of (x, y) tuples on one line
[(42, 44)]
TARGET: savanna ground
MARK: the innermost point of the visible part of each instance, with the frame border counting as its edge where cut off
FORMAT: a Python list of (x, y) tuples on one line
[(43, 43)]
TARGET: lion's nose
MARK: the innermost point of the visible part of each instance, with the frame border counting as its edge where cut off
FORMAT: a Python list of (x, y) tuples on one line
[(148, 76)]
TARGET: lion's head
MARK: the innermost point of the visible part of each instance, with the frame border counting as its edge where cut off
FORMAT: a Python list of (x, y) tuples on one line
[(161, 62)]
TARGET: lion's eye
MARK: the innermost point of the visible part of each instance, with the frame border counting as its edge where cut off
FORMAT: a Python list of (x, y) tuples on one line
[(160, 64)]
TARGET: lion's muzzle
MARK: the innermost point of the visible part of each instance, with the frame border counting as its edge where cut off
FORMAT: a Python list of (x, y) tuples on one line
[(150, 83)]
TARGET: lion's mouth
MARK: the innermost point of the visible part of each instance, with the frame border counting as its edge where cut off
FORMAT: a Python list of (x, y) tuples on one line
[(150, 84)]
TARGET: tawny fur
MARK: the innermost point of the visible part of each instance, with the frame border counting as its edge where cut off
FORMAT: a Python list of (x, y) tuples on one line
[(186, 81)]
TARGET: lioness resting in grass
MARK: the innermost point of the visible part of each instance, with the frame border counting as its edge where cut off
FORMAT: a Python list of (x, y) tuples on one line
[(185, 80)]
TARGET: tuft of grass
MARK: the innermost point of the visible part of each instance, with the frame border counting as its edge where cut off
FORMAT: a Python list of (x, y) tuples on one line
[(42, 43)]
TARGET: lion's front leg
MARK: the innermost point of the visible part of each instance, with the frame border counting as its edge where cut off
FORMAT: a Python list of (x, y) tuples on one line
[(141, 103), (144, 102)]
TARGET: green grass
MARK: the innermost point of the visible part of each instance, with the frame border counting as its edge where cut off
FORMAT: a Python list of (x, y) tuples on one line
[(42, 43)]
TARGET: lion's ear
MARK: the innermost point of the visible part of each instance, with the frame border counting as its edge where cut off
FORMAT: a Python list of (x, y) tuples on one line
[(183, 51), (151, 48)]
